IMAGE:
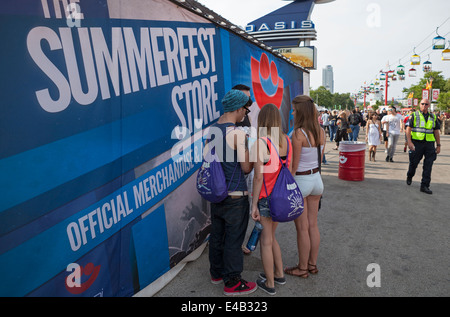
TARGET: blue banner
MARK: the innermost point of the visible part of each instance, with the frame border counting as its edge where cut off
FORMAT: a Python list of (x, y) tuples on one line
[(97, 190)]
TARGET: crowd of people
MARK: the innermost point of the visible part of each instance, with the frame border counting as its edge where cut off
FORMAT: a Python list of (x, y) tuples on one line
[(342, 125), (253, 180), (302, 153), (382, 127)]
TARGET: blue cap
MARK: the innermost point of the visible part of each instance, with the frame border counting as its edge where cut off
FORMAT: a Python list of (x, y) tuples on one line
[(234, 99)]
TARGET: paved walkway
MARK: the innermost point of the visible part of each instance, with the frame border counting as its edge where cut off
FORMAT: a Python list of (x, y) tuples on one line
[(379, 220)]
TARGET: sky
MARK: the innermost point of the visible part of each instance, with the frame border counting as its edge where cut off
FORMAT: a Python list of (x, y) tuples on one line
[(361, 37)]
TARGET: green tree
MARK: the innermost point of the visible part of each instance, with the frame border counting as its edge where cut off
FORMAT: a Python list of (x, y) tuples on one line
[(444, 101), (444, 97), (439, 82), (343, 100), (322, 97)]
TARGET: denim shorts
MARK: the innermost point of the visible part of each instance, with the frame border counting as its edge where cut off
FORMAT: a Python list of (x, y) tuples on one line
[(263, 206)]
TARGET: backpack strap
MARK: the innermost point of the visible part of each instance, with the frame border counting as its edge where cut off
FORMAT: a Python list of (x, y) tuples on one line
[(319, 154), (287, 154), (232, 176), (318, 157), (282, 164), (235, 167)]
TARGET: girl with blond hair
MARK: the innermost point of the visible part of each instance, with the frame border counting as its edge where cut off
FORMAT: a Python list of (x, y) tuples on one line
[(272, 144)]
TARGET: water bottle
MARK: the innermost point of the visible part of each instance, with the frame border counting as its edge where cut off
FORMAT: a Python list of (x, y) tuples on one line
[(254, 237)]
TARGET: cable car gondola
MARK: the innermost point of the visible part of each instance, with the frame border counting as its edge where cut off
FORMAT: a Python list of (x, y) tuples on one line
[(415, 59), (400, 70), (438, 41), (446, 53), (427, 67)]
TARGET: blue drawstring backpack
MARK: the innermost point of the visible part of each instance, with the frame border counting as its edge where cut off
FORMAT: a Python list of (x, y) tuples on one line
[(286, 200), (211, 182)]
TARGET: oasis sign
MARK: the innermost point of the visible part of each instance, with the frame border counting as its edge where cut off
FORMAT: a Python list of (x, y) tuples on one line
[(285, 27), (280, 25)]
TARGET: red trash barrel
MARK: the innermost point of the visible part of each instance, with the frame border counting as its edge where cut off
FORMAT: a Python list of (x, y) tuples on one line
[(351, 160)]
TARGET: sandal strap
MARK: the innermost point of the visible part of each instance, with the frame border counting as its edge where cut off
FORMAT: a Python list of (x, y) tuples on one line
[(289, 270), (314, 270)]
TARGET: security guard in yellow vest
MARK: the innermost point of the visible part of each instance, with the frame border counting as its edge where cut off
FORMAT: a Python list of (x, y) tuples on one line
[(422, 130)]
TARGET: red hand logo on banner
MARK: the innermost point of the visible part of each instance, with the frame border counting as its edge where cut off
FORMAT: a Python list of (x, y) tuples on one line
[(262, 69)]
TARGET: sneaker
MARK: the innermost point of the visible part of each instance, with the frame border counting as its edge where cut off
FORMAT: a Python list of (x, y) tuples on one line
[(238, 286), (262, 285), (278, 280), (216, 281), (391, 160)]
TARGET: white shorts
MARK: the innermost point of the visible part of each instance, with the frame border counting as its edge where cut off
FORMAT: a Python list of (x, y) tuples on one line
[(310, 184)]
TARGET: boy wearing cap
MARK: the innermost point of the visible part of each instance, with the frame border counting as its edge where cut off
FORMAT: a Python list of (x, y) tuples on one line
[(229, 218)]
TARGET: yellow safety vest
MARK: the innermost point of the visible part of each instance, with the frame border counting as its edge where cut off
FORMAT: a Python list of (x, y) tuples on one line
[(422, 129)]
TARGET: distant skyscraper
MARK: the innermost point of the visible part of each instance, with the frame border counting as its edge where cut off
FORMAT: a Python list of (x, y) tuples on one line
[(327, 78)]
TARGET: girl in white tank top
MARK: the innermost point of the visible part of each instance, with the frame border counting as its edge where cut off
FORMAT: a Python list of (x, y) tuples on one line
[(309, 158), (310, 183)]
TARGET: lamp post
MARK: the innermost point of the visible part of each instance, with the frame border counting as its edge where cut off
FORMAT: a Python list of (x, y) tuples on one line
[(431, 91), (386, 84), (365, 92)]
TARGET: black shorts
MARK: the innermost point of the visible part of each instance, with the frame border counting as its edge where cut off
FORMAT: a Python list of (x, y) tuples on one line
[(385, 138)]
